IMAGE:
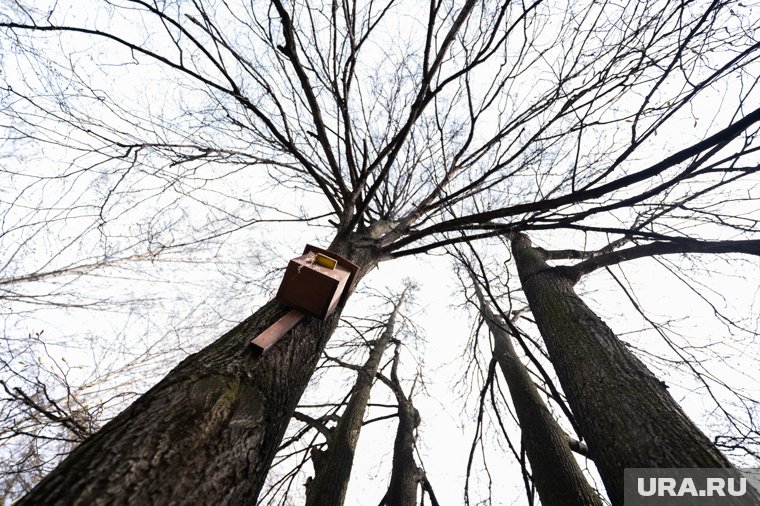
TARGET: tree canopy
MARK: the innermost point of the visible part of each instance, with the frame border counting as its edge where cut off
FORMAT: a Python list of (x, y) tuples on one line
[(185, 142)]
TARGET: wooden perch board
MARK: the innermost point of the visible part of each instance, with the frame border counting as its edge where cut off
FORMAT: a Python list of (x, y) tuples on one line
[(274, 332)]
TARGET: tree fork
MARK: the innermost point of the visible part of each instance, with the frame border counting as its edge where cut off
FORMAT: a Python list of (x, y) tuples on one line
[(332, 474), (405, 475)]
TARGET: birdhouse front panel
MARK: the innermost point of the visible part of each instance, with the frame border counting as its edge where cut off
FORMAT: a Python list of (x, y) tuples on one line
[(314, 284)]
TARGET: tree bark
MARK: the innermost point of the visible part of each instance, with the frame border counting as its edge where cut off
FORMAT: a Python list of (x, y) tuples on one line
[(207, 432), (556, 474), (332, 468), (405, 475), (624, 412)]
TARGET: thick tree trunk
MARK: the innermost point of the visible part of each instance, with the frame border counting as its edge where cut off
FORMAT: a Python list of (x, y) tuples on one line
[(624, 412), (556, 474), (207, 433), (332, 468)]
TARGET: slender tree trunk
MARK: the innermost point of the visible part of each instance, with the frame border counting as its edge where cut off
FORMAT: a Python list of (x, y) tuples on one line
[(207, 433), (624, 412), (405, 475), (556, 474), (332, 468)]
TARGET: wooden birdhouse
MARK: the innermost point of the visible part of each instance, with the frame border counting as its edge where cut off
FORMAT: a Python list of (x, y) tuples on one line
[(314, 283)]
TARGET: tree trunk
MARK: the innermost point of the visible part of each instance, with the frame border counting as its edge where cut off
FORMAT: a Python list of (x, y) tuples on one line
[(624, 412), (207, 432), (556, 474), (405, 475), (332, 468)]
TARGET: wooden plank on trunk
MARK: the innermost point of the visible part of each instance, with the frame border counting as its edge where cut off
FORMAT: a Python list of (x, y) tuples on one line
[(274, 332)]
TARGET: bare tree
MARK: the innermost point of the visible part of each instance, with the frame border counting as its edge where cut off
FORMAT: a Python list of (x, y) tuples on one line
[(338, 425), (36, 420), (406, 476), (332, 466), (554, 470), (624, 412), (485, 119)]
